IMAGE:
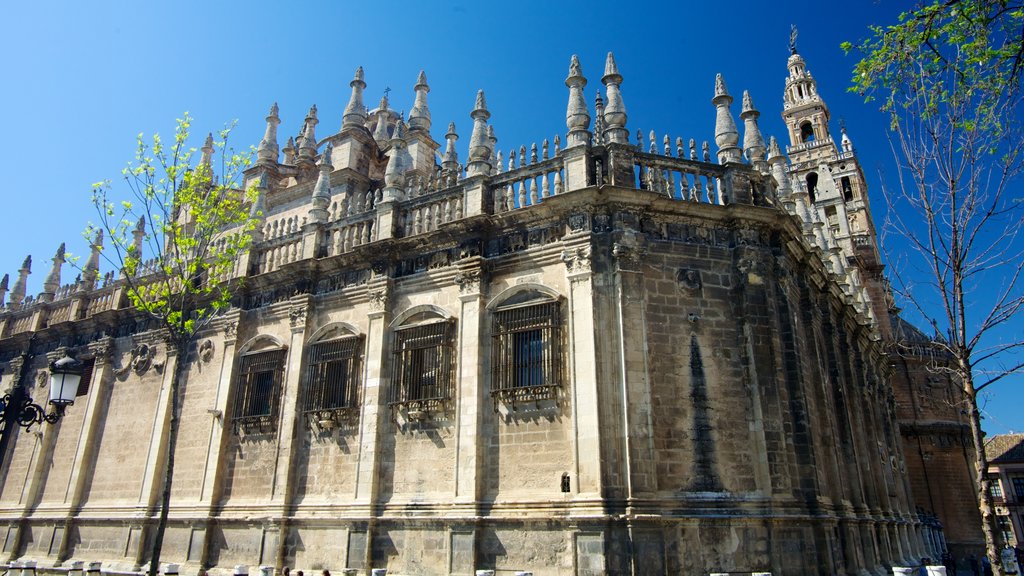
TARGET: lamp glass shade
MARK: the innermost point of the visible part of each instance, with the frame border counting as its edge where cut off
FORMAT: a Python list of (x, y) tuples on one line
[(65, 375)]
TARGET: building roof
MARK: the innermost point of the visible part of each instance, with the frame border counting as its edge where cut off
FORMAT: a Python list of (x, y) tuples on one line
[(1005, 448), (906, 333)]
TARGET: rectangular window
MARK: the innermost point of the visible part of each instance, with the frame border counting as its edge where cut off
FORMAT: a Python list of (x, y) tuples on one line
[(423, 366), (526, 352), (995, 489), (1018, 487), (333, 375), (259, 389)]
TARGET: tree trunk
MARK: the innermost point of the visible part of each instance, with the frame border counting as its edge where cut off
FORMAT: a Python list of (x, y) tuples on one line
[(181, 364), (984, 495)]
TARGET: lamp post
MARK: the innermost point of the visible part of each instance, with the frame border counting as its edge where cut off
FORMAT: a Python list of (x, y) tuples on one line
[(18, 408)]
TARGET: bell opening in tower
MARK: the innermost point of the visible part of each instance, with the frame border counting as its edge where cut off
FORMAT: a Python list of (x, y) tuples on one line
[(806, 132), (812, 184)]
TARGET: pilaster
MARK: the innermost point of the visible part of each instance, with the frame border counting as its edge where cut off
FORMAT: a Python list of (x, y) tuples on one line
[(471, 389), (584, 381), (374, 417)]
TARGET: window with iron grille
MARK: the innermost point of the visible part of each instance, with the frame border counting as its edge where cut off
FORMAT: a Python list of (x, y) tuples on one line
[(332, 383), (258, 392), (424, 371), (526, 352)]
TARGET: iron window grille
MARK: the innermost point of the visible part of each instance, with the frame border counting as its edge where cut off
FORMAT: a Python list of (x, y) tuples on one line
[(526, 360), (332, 388), (424, 368), (257, 401)]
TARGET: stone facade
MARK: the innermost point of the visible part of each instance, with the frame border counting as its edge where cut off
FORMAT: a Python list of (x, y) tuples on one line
[(607, 356)]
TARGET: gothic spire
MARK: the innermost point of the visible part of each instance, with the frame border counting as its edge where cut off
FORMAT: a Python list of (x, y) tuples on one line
[(777, 162), (577, 117), (18, 292), (753, 142), (614, 109), (3, 289), (267, 152), (726, 135), (479, 145), (419, 116), (450, 160), (355, 111), (52, 282)]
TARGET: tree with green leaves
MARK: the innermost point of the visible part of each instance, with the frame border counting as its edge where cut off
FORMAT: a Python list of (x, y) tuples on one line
[(947, 74), (176, 239)]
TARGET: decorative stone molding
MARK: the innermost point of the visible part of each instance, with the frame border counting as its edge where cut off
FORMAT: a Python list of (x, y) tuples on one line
[(297, 315), (576, 259), (230, 329), (468, 281), (601, 223), (577, 221), (378, 299)]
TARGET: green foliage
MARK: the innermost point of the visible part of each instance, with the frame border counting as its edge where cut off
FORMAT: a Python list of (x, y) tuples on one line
[(179, 236), (962, 53)]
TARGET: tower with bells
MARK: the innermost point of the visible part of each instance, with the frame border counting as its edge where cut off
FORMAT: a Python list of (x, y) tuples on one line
[(832, 178)]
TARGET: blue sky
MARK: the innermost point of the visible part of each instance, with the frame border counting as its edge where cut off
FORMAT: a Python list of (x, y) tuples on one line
[(83, 78)]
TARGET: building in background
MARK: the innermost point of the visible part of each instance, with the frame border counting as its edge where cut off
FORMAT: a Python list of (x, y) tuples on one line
[(1005, 454), (601, 353)]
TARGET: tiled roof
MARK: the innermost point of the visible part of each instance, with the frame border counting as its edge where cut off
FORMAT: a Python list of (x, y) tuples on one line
[(1005, 448)]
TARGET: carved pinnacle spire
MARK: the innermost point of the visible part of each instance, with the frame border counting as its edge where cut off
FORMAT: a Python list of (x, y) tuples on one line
[(615, 109), (577, 117), (92, 266), (355, 111), (207, 150), (307, 143), (419, 116), (726, 135), (394, 174), (52, 282), (18, 292), (289, 151), (322, 189), (380, 133), (3, 289), (450, 160), (267, 151), (479, 145), (753, 141)]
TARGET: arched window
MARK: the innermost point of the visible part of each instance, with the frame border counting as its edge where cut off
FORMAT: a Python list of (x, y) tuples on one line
[(526, 353), (258, 389), (424, 376), (812, 184), (806, 132), (333, 378)]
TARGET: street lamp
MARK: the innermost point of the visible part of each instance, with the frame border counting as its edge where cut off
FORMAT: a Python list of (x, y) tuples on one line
[(18, 407)]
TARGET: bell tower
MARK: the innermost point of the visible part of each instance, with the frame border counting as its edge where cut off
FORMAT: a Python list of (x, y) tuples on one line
[(831, 176)]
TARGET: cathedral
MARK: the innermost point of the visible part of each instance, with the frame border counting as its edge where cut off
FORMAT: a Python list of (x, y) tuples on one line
[(609, 353)]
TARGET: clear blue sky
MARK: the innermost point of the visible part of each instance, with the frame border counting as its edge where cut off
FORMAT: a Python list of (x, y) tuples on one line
[(81, 79)]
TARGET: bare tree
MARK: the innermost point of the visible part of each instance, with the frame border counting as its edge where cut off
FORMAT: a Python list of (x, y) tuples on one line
[(177, 239), (947, 74)]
